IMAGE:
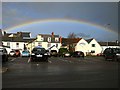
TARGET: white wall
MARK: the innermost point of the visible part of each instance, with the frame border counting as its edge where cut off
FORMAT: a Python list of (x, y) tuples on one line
[(13, 45), (97, 48), (82, 45)]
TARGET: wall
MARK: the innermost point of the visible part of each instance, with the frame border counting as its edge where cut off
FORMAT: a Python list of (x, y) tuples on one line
[(82, 45), (97, 48)]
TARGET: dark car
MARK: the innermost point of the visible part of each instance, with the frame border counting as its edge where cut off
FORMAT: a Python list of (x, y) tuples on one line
[(3, 54), (17, 53), (117, 57), (39, 54), (112, 54), (64, 52), (53, 53), (78, 54)]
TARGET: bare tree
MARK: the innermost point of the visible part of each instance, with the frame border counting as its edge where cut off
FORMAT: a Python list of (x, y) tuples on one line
[(78, 35), (72, 35)]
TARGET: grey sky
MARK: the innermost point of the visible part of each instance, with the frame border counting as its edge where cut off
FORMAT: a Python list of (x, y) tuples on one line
[(101, 13)]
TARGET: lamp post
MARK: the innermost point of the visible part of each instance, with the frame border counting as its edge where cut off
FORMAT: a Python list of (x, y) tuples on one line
[(106, 26)]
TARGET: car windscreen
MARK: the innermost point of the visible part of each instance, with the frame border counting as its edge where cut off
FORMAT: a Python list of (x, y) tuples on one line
[(25, 52), (38, 50)]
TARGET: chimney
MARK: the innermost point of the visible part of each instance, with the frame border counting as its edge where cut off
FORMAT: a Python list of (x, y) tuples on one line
[(60, 39), (52, 34)]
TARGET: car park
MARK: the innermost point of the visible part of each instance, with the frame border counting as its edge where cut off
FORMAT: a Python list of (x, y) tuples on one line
[(39, 54), (78, 54), (25, 53), (112, 54), (3, 54)]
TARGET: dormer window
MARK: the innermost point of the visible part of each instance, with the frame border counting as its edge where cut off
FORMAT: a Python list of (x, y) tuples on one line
[(56, 39), (42, 39), (49, 39)]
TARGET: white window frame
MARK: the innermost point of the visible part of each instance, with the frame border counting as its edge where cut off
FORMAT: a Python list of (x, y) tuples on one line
[(56, 39), (17, 45), (49, 39)]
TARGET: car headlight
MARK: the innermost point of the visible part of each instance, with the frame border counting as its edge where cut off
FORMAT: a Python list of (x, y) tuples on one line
[(32, 54), (45, 54)]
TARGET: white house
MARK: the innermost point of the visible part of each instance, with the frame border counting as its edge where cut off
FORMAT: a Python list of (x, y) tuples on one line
[(49, 42), (94, 47), (90, 46), (16, 41), (82, 45)]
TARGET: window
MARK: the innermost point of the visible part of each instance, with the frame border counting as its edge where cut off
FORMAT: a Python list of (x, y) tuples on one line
[(56, 39), (39, 44), (8, 43), (42, 39), (49, 45), (56, 45), (92, 51), (49, 39), (17, 45), (93, 45)]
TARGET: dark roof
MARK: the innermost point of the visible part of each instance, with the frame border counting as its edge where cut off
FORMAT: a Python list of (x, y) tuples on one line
[(89, 40), (48, 35), (17, 37), (109, 43), (45, 36), (70, 40)]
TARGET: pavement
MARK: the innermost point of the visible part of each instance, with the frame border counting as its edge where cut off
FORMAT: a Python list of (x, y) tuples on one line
[(3, 69)]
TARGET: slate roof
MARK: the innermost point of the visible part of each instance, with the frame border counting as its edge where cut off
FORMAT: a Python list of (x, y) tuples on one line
[(17, 37), (66, 41), (45, 36), (89, 40), (109, 43)]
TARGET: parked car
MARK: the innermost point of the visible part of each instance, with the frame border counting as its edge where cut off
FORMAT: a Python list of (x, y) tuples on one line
[(53, 53), (17, 53), (39, 54), (78, 54), (64, 52), (112, 54), (117, 54), (25, 53), (3, 54), (12, 53)]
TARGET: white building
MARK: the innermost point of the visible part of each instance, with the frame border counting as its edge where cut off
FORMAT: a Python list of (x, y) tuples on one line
[(94, 47), (82, 45), (16, 41), (90, 46), (47, 41)]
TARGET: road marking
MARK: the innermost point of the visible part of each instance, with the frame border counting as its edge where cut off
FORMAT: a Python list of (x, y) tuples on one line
[(37, 64), (29, 60), (13, 59), (50, 61)]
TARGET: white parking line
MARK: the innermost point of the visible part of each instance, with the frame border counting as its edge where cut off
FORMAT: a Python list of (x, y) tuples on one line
[(29, 60), (50, 61), (13, 59)]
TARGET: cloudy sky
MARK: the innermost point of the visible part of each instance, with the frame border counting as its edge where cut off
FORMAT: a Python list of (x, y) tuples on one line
[(97, 20)]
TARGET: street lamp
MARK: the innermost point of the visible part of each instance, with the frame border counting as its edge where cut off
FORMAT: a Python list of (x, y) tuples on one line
[(106, 26)]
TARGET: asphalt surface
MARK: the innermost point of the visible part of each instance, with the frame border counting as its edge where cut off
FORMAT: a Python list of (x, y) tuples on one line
[(58, 72)]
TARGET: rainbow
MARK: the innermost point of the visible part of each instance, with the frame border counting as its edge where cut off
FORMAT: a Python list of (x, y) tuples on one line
[(59, 20)]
